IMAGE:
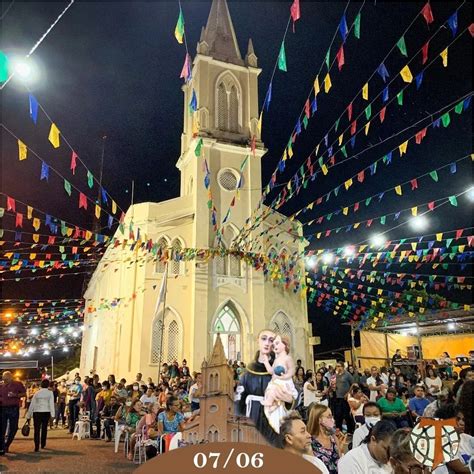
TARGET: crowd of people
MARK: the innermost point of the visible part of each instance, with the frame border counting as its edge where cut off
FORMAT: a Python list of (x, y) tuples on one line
[(345, 420)]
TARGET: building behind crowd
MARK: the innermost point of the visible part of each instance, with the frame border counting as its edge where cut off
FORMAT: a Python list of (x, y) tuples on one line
[(221, 295)]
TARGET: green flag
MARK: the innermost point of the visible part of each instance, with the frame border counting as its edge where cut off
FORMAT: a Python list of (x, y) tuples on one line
[(3, 67), (282, 58), (434, 175), (357, 26), (336, 125), (327, 58), (197, 150), (67, 187), (90, 179), (459, 107), (453, 201), (446, 119), (400, 98), (305, 122), (368, 111), (402, 46)]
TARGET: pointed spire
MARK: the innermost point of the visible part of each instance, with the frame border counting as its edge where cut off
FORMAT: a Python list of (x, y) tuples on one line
[(220, 36), (218, 354), (203, 31), (251, 58)]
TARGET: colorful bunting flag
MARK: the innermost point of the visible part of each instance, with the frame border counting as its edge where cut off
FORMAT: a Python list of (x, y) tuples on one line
[(453, 23), (179, 29), (82, 201), (402, 46), (424, 52), (382, 114), (382, 71), (398, 190), (268, 98), (282, 58), (90, 179), (193, 104), (406, 74), (400, 98), (33, 107), (427, 13), (434, 176), (44, 171), (327, 83), (97, 211), (197, 150), (403, 148), (22, 151), (340, 57), (419, 80), (67, 187), (316, 86), (54, 136), (444, 57), (365, 91), (357, 26), (343, 28), (3, 67), (295, 12), (186, 70), (73, 162), (453, 201)]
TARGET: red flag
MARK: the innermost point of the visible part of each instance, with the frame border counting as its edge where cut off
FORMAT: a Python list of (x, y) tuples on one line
[(427, 13), (361, 176), (340, 57), (431, 205), (332, 160), (369, 222), (414, 184), (19, 219), (424, 52), (349, 111), (51, 239), (295, 12), (10, 204), (356, 207), (353, 127), (82, 201), (471, 29), (382, 114), (306, 108), (420, 135), (319, 201), (73, 162), (459, 233), (328, 233)]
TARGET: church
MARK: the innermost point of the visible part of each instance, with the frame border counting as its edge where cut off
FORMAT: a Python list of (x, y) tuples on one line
[(223, 295)]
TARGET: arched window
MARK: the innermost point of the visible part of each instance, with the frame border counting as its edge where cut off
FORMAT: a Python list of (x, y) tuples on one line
[(230, 264), (213, 434), (233, 110), (176, 265), (281, 324), (222, 108), (228, 326), (166, 338), (172, 341), (156, 340), (162, 246)]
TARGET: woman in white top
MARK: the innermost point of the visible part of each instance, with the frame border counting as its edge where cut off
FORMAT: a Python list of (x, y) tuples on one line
[(372, 456), (433, 382), (41, 409), (357, 400)]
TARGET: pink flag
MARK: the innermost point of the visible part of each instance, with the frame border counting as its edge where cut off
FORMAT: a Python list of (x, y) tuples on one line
[(382, 114), (10, 204), (353, 127), (420, 135), (19, 220), (186, 68), (349, 111), (459, 233), (295, 12), (306, 108), (360, 176), (414, 184), (73, 162), (82, 201), (340, 57), (431, 205)]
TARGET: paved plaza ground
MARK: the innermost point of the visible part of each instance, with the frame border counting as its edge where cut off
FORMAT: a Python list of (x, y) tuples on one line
[(64, 455)]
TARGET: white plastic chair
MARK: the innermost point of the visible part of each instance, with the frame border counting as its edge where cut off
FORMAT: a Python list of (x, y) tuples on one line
[(139, 453), (119, 430)]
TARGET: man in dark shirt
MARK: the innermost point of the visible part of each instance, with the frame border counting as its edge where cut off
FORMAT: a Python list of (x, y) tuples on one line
[(108, 414), (397, 356), (342, 411), (11, 393)]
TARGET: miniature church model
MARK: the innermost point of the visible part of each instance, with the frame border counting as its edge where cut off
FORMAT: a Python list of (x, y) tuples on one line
[(124, 334), (216, 421)]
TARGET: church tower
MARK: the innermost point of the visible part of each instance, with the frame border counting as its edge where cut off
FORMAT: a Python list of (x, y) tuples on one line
[(221, 185)]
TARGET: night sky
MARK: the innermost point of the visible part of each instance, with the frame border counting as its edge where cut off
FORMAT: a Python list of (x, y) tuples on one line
[(112, 68)]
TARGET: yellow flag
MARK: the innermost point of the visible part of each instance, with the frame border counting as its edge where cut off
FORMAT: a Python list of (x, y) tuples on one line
[(413, 246), (289, 185), (318, 235), (22, 150), (29, 212), (357, 224), (54, 136), (439, 237), (403, 148), (316, 86), (406, 74), (345, 211), (348, 184), (467, 307), (32, 256), (36, 223), (341, 137), (367, 126), (259, 125), (365, 91), (324, 169), (290, 152), (36, 238), (414, 211), (88, 235), (97, 211), (310, 206), (461, 248), (69, 231), (398, 190), (444, 57), (195, 125), (114, 207), (327, 83)]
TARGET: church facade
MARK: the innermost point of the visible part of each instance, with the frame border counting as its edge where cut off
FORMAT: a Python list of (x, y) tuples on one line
[(223, 295)]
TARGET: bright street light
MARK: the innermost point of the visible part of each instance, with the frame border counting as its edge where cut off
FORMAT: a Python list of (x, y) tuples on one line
[(419, 223), (311, 262), (54, 331), (65, 349), (327, 258), (34, 332), (377, 240), (12, 331), (61, 340), (451, 326), (25, 69), (470, 193), (348, 251)]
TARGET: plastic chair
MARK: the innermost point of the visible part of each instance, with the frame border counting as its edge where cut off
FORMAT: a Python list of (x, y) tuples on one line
[(82, 430), (139, 453), (118, 431)]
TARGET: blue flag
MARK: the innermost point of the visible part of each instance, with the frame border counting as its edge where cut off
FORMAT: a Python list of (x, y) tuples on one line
[(453, 23), (193, 104), (382, 70), (44, 171), (419, 80), (33, 108), (385, 94), (343, 27), (268, 98)]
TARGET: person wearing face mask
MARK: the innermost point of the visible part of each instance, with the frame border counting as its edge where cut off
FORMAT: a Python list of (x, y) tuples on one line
[(372, 456), (372, 415), (75, 391), (135, 393), (295, 439), (326, 444)]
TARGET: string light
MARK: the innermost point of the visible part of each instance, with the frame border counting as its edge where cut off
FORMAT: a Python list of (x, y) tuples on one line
[(419, 223), (327, 258), (377, 240)]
